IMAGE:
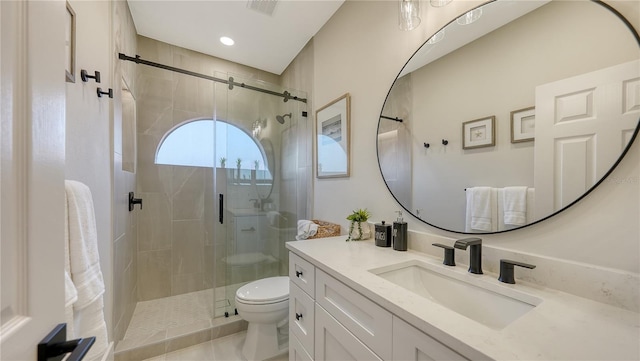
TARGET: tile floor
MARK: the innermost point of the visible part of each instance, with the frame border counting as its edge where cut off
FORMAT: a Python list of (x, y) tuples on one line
[(226, 348)]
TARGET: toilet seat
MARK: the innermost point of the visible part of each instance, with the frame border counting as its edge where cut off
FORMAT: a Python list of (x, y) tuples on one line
[(264, 291)]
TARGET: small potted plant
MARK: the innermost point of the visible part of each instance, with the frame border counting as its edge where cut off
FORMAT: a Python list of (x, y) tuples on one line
[(356, 231)]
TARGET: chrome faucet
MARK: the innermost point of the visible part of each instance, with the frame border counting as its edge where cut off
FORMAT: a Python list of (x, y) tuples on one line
[(475, 253)]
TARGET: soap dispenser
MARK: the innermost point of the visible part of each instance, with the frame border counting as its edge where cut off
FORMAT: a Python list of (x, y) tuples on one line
[(399, 233)]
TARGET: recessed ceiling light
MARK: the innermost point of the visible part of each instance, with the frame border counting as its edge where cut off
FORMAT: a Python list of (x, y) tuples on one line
[(227, 41)]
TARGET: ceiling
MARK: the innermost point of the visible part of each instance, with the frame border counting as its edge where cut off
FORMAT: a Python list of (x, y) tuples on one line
[(266, 42)]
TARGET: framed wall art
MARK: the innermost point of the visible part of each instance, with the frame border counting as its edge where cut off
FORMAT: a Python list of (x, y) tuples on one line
[(332, 138), (479, 133), (523, 125)]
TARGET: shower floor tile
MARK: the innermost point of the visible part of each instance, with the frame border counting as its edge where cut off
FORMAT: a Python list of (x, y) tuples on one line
[(151, 317)]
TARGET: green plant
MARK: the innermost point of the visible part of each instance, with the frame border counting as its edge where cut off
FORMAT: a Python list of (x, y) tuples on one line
[(223, 162), (239, 162), (358, 216)]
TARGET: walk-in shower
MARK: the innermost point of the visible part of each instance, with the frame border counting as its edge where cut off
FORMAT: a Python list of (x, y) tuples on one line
[(220, 198)]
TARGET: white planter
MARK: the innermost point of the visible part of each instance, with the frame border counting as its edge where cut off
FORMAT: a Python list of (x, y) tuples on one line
[(355, 233)]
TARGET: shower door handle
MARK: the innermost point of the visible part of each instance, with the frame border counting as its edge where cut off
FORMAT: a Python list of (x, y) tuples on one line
[(221, 208)]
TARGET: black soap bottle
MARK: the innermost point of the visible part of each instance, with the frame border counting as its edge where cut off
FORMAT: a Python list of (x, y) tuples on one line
[(383, 235), (399, 233)]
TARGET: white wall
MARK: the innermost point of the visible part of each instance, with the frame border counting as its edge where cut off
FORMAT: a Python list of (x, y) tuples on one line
[(360, 51), (89, 128)]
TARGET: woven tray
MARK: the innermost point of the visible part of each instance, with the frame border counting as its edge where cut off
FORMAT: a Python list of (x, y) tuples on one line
[(325, 229)]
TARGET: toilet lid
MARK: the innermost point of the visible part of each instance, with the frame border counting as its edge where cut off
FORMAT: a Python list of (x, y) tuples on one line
[(266, 290)]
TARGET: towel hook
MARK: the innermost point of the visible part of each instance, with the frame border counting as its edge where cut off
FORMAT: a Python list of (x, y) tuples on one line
[(445, 142), (109, 93), (426, 145), (85, 76)]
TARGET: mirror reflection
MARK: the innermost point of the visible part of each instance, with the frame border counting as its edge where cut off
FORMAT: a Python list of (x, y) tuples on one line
[(507, 120)]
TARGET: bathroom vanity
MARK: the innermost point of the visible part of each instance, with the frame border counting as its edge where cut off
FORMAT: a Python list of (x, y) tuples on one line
[(352, 300)]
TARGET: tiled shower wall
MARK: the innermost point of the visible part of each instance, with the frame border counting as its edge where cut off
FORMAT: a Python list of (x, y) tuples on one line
[(125, 265), (175, 247)]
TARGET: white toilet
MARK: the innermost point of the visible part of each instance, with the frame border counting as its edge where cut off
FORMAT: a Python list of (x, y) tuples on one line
[(264, 304)]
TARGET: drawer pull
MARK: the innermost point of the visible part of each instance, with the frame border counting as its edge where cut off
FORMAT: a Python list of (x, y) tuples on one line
[(298, 274), (248, 229), (298, 316)]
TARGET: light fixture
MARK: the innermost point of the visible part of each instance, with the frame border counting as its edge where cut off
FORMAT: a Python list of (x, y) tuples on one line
[(440, 3), (436, 37), (227, 41), (470, 17), (409, 14)]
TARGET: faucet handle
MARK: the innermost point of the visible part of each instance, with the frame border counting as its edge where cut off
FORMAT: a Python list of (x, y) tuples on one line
[(506, 270), (449, 254)]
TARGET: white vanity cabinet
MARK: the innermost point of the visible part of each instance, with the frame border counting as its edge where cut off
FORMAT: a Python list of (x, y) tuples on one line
[(330, 321), (410, 344)]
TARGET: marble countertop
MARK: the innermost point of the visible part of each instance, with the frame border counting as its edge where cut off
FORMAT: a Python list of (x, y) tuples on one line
[(561, 327)]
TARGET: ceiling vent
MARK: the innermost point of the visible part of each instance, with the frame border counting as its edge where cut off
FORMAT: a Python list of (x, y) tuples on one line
[(266, 7)]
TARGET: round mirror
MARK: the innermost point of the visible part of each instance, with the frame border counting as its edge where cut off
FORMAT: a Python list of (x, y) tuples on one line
[(500, 123)]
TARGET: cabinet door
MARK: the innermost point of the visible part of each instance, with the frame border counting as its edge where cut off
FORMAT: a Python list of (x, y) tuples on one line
[(336, 343), (410, 344), (297, 351), (369, 322), (301, 316)]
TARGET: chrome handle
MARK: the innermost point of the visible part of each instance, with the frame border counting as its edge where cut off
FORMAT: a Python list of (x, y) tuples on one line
[(248, 230)]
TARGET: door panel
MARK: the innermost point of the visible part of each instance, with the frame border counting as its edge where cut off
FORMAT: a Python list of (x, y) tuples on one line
[(31, 174), (582, 124)]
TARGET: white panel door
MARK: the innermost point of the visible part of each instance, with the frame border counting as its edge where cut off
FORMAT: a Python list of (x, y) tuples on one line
[(582, 125), (32, 117)]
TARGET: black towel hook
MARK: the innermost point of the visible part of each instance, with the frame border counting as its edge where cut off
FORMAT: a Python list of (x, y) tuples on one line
[(445, 142), (85, 76), (109, 93)]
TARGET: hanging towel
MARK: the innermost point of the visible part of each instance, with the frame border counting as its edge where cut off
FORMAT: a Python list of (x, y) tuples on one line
[(481, 209), (306, 229), (90, 322), (84, 260), (515, 205), (83, 245), (71, 294)]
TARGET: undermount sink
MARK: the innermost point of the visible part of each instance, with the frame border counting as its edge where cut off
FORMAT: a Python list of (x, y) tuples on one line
[(492, 305)]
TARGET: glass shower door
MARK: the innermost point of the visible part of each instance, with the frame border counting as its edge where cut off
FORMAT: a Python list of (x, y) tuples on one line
[(256, 184)]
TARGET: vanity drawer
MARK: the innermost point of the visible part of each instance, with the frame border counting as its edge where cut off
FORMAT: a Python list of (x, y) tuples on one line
[(410, 344), (334, 342), (301, 316), (366, 320), (296, 351), (302, 273)]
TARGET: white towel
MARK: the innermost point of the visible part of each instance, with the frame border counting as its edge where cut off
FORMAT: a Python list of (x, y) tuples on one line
[(83, 245), (515, 205), (90, 322), (71, 294), (84, 260), (481, 209), (306, 229)]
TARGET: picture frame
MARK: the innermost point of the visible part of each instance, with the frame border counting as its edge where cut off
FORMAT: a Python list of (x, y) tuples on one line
[(70, 45), (332, 138), (479, 133), (523, 123)]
